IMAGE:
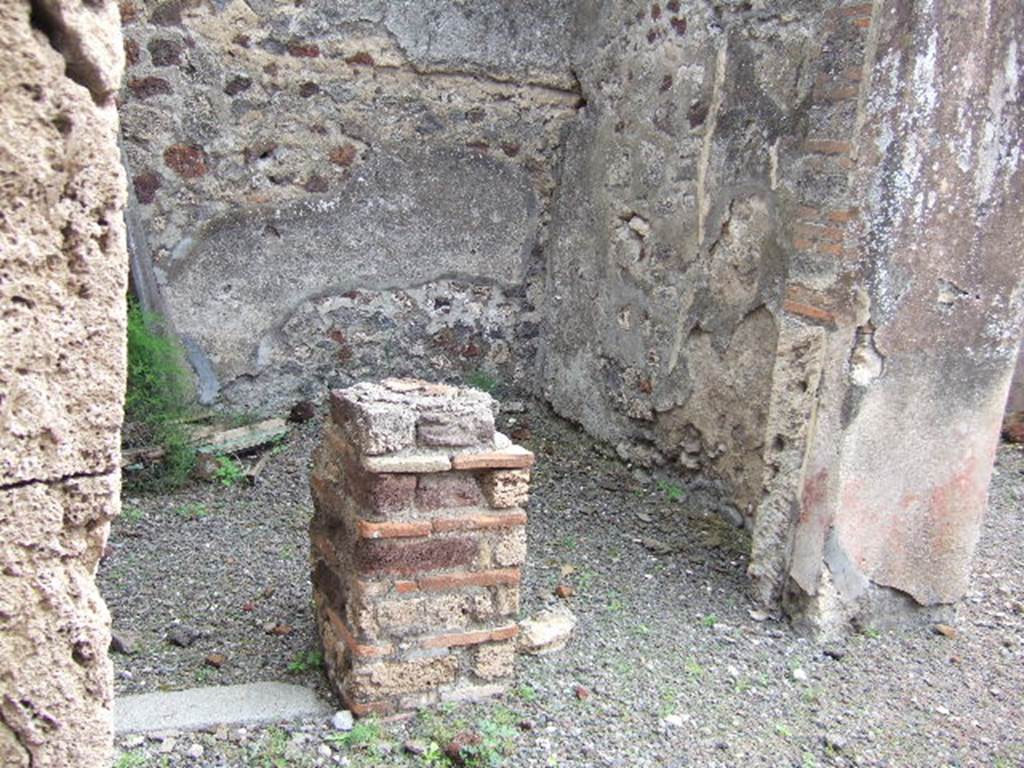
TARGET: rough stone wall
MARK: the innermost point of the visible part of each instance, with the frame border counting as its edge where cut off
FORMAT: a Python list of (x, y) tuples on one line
[(670, 232), (877, 506), (62, 287), (336, 190)]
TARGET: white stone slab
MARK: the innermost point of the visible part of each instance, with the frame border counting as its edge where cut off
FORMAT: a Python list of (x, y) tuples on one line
[(198, 708)]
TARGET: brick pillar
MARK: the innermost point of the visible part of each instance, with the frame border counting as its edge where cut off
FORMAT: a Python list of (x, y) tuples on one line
[(889, 390), (417, 540)]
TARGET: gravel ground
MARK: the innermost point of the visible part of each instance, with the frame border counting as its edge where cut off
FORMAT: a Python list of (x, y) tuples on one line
[(667, 667)]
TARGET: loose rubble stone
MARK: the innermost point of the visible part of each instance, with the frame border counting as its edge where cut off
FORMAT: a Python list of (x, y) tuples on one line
[(342, 720), (547, 632), (123, 642), (183, 636), (216, 660)]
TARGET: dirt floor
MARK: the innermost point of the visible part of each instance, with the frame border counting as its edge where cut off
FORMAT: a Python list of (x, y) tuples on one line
[(670, 666)]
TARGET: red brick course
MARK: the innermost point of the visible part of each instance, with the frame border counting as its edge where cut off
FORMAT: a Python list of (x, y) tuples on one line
[(471, 638)]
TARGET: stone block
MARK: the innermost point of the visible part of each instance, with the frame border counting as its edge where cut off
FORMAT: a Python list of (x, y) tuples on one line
[(411, 616), (510, 549), (457, 423), (506, 599), (376, 427), (506, 488), (411, 462), (387, 678), (494, 660)]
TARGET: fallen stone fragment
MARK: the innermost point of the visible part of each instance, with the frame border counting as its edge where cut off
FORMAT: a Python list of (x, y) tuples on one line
[(301, 412), (548, 632), (564, 591), (182, 636), (836, 652), (945, 630), (834, 742), (278, 629), (415, 747), (582, 692), (342, 720), (216, 660), (656, 546), (122, 642)]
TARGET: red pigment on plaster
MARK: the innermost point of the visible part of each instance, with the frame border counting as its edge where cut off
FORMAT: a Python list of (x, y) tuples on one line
[(815, 488)]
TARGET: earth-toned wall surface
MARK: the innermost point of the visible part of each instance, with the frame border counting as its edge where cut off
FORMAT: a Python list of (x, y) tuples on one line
[(63, 271), (332, 191)]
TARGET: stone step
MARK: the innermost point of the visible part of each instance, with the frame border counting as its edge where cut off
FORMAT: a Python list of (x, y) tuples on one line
[(235, 705)]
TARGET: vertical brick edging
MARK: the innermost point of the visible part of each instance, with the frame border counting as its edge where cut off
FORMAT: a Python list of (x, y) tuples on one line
[(824, 228), (418, 537)]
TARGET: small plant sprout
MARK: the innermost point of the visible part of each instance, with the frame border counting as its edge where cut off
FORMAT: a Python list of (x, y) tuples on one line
[(693, 668), (305, 661), (131, 514), (130, 760), (229, 472), (672, 491), (525, 692), (364, 734), (192, 511), (482, 380)]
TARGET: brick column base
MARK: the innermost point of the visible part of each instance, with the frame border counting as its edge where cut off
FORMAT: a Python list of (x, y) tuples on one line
[(417, 540)]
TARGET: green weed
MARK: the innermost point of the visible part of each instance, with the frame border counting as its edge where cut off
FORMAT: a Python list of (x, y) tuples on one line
[(130, 760), (693, 668), (672, 491), (229, 472), (584, 579), (157, 399), (482, 380), (271, 755), (192, 511), (131, 514), (305, 661), (495, 740), (525, 692), (364, 734), (709, 621), (669, 699)]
